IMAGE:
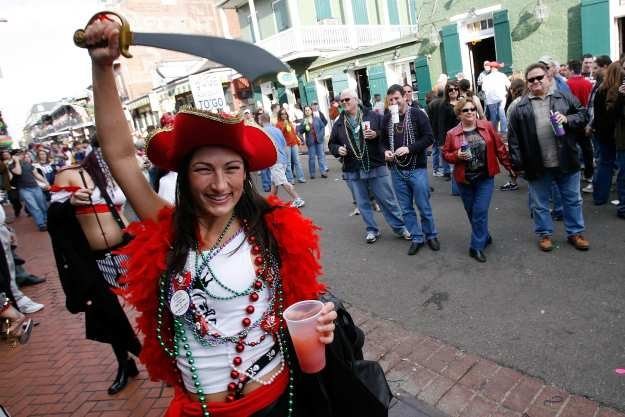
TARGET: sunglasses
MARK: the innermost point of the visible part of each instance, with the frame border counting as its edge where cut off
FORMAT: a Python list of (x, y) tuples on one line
[(538, 78), (470, 109), (345, 100), (453, 89), (407, 91)]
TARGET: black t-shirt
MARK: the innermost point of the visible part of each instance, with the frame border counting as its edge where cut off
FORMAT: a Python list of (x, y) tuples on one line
[(27, 178), (476, 167)]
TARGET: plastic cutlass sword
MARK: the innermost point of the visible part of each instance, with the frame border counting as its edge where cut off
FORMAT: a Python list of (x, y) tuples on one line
[(249, 60)]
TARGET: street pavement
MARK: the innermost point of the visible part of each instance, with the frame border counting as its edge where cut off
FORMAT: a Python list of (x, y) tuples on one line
[(526, 334)]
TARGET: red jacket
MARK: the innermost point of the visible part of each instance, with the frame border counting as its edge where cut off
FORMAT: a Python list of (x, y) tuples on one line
[(495, 150), (580, 87)]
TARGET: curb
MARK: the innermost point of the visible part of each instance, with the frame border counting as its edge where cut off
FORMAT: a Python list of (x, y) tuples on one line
[(435, 379)]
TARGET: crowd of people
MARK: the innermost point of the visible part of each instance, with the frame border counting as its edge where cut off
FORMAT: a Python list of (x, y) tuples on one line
[(210, 247)]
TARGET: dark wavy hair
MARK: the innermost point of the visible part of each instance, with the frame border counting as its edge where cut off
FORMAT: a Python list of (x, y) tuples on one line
[(252, 207), (91, 164), (613, 78), (448, 86)]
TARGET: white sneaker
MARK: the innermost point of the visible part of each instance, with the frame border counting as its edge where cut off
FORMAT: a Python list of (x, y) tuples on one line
[(28, 306), (356, 212), (587, 189), (375, 206), (372, 237), (298, 202)]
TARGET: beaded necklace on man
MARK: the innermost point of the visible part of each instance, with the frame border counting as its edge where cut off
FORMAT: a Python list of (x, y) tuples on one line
[(271, 322), (356, 140), (406, 162)]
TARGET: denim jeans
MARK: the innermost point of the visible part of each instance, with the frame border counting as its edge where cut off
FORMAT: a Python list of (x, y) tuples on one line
[(438, 162), (412, 187), (497, 114), (379, 181), (265, 179), (316, 153), (476, 200), (36, 204), (541, 192), (293, 164), (602, 182)]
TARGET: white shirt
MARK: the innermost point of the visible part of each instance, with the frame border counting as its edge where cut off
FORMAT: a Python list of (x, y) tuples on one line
[(495, 87), (167, 187), (233, 267)]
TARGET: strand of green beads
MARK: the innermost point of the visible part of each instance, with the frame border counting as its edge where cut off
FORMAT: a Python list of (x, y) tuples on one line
[(159, 316), (180, 336), (281, 336)]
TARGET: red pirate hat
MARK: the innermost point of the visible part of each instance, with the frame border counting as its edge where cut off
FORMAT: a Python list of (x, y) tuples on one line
[(194, 128)]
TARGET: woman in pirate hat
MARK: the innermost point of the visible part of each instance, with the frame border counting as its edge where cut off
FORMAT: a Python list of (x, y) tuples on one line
[(210, 276)]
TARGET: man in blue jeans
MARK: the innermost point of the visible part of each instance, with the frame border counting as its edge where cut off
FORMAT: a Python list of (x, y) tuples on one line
[(546, 158), (26, 182), (355, 139), (405, 143)]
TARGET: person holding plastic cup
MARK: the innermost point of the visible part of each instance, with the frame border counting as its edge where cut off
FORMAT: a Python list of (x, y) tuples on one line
[(212, 275), (476, 149)]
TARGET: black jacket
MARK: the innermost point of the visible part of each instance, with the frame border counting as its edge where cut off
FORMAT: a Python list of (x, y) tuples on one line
[(85, 289), (422, 134), (338, 138), (523, 142), (605, 121), (442, 118)]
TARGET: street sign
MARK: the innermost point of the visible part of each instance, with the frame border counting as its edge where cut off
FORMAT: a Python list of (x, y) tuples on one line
[(287, 79), (208, 93)]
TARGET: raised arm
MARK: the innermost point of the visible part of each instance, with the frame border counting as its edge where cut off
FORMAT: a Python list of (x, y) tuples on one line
[(112, 129)]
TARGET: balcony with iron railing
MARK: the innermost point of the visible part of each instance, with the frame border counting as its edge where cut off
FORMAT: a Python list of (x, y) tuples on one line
[(318, 40)]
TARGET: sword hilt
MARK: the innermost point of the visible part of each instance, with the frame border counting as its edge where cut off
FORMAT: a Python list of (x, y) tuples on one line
[(125, 35)]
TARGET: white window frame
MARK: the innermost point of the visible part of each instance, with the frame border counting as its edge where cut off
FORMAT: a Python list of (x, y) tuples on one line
[(275, 20)]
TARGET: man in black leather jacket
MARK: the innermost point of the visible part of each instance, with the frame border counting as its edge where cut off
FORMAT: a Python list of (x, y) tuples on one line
[(545, 157)]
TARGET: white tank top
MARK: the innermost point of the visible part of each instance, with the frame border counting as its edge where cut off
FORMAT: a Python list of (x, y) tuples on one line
[(234, 268)]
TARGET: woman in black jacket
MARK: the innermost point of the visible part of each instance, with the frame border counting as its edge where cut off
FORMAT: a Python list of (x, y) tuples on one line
[(86, 224), (609, 105), (443, 118)]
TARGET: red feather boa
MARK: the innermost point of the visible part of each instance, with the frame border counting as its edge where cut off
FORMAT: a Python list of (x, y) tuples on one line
[(297, 241)]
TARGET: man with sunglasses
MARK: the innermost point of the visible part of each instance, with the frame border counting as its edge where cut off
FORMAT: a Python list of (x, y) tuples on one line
[(545, 158), (355, 140)]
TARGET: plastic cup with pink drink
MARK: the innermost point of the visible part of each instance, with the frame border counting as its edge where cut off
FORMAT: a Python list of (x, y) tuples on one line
[(301, 320)]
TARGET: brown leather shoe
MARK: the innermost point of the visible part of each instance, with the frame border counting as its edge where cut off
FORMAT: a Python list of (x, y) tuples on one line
[(579, 242), (545, 244)]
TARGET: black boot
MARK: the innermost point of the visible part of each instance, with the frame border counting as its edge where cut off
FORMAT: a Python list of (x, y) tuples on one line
[(129, 369)]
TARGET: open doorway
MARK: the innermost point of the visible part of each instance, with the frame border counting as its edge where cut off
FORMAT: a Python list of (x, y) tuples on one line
[(362, 83), (621, 35), (330, 89), (480, 51)]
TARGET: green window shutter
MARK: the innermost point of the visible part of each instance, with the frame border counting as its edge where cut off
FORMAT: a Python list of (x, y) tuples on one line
[(451, 50), (311, 92), (412, 12), (503, 41), (281, 95), (339, 83), (281, 11), (595, 27), (323, 9), (258, 96), (377, 80), (360, 12), (422, 72), (393, 12)]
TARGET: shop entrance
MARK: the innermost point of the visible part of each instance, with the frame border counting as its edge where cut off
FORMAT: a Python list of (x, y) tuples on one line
[(480, 51), (362, 83)]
